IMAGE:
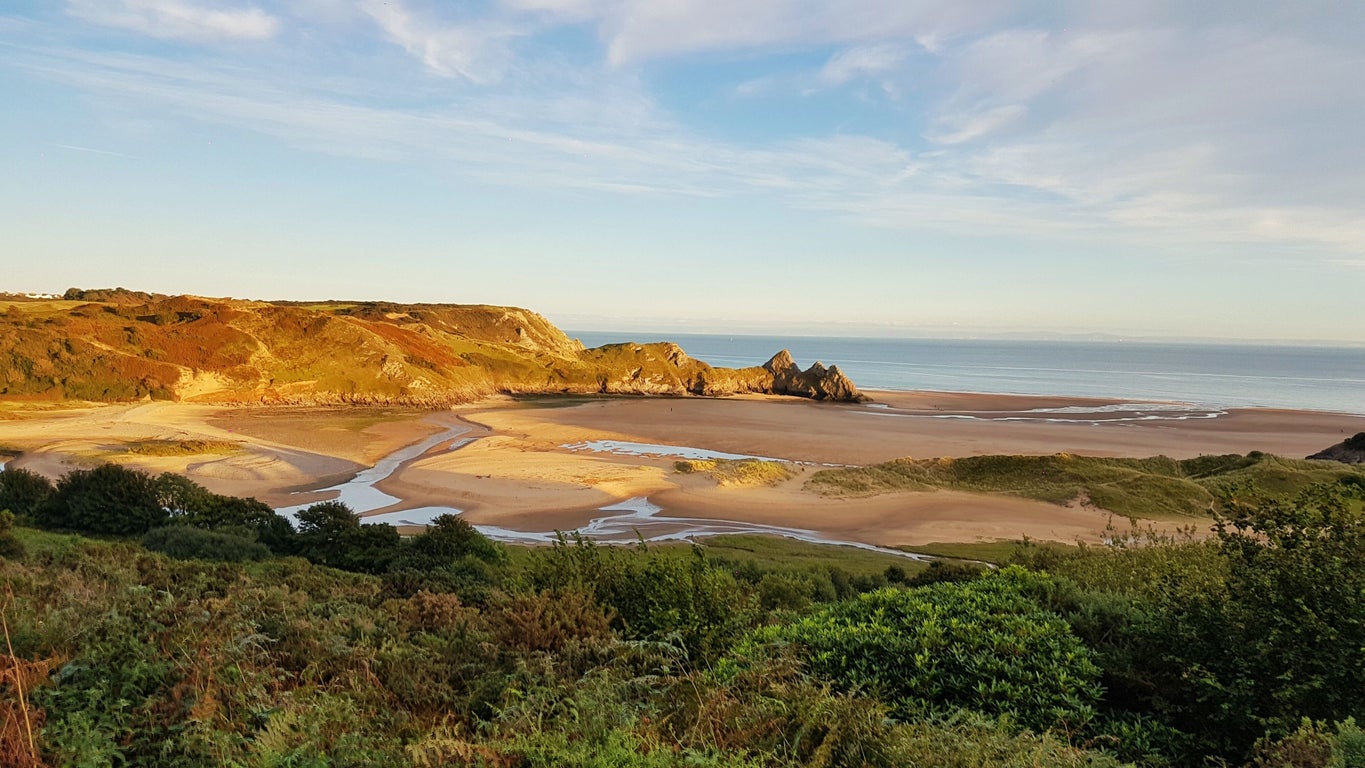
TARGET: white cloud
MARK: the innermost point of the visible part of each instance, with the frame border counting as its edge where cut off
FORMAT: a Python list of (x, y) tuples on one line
[(1166, 131), (964, 127), (471, 51), (178, 19), (863, 61), (637, 30)]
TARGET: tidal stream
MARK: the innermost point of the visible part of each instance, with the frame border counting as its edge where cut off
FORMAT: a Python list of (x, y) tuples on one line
[(623, 522)]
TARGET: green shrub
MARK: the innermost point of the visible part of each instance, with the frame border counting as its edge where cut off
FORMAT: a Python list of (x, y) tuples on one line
[(185, 543), (1349, 751), (330, 534), (940, 571), (446, 541), (191, 504), (983, 645), (109, 500), (10, 546), (21, 491), (1308, 747), (654, 596)]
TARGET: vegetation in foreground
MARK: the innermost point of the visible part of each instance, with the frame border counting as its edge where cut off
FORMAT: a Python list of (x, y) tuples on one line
[(244, 642), (1152, 488)]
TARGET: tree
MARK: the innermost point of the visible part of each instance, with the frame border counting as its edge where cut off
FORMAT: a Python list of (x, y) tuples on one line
[(109, 499), (447, 540), (189, 503), (330, 534)]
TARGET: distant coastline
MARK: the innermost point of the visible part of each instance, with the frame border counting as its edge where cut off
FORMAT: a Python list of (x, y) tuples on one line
[(1223, 375)]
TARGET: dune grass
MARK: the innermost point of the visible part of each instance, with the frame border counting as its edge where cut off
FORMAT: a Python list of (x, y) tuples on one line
[(1152, 488), (738, 473), (181, 447)]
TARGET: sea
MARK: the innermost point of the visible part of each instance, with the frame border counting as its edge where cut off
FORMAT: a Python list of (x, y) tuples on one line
[(1319, 378)]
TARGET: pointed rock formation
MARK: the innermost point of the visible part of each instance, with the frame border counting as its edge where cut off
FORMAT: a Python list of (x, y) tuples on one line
[(817, 381)]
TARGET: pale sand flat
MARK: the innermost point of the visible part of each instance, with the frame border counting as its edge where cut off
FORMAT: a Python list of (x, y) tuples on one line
[(855, 434), (519, 475)]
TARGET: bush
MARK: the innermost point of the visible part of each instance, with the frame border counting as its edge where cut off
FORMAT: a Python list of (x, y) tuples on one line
[(1283, 639), (21, 491), (109, 500), (447, 540), (330, 534), (940, 571), (9, 545), (192, 504), (653, 596), (548, 621), (983, 646), (185, 543)]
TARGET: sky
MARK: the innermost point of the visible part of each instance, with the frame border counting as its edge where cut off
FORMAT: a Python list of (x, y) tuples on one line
[(841, 167)]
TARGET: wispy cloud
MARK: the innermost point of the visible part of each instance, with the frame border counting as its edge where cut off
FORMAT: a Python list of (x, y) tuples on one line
[(871, 61), (472, 51), (178, 19), (963, 127), (637, 30), (1158, 129), (92, 150)]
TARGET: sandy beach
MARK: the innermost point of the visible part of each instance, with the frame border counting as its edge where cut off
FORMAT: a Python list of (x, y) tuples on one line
[(535, 465)]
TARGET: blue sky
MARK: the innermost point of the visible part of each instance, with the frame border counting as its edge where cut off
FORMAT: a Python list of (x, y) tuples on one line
[(899, 167)]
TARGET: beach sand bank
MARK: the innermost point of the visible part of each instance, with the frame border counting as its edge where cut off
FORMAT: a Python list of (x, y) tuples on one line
[(521, 472)]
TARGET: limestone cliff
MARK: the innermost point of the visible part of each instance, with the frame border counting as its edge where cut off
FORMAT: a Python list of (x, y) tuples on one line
[(816, 382), (124, 345)]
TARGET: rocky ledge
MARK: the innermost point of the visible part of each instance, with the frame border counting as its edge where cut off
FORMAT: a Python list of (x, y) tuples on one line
[(1348, 451)]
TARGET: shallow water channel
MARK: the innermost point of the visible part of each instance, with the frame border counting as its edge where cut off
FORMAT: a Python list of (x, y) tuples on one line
[(623, 522)]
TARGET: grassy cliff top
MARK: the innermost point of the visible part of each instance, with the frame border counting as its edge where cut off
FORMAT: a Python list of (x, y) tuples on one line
[(120, 345)]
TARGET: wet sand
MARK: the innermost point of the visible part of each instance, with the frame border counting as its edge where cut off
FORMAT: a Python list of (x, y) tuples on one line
[(520, 474)]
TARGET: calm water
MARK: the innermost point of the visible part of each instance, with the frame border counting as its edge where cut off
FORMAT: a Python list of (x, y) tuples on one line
[(1218, 375)]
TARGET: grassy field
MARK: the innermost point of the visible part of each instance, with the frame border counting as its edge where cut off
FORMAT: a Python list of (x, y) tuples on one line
[(1151, 488)]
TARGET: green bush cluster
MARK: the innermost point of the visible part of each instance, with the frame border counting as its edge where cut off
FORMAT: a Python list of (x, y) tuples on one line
[(984, 646)]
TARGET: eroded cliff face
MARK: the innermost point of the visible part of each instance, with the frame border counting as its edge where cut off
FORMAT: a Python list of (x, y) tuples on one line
[(196, 349)]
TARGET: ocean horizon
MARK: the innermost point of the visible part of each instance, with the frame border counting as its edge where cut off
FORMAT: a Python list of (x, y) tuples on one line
[(1231, 375)]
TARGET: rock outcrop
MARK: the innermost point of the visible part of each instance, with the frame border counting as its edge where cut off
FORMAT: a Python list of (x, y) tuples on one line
[(123, 345), (1348, 451), (817, 381)]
